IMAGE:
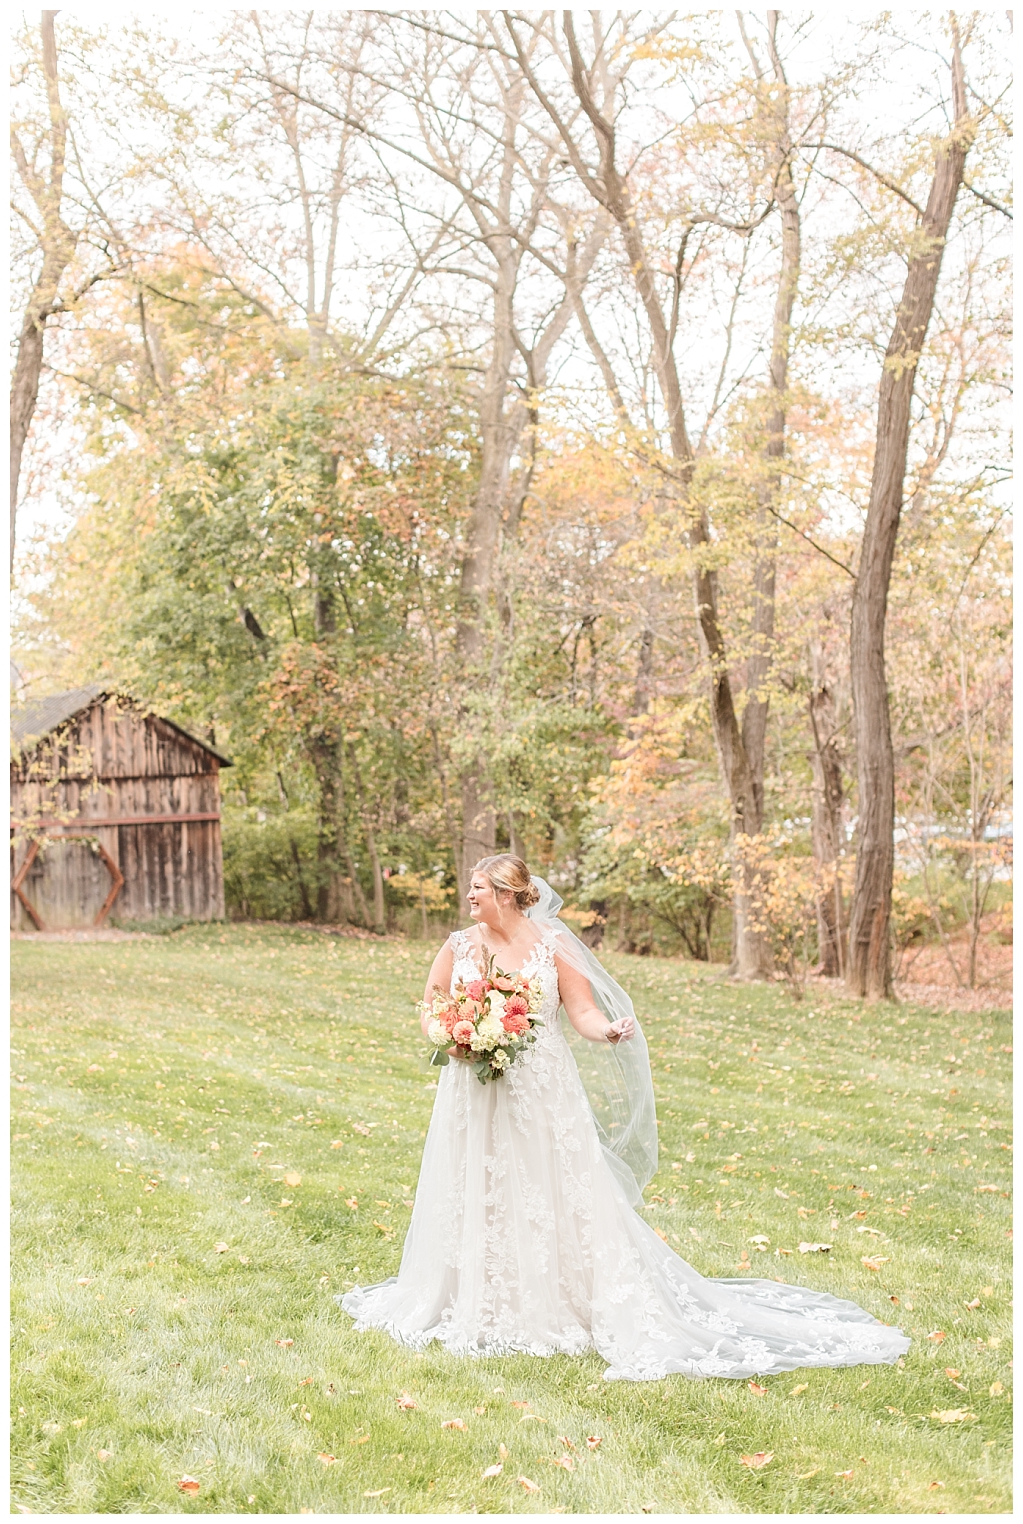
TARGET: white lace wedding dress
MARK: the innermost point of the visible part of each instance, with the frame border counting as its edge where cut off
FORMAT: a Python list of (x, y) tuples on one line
[(522, 1239)]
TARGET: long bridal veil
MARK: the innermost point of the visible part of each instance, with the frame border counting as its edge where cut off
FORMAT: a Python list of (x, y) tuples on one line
[(616, 1077)]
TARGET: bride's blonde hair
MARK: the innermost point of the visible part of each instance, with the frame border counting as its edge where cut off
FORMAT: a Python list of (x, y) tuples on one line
[(506, 871)]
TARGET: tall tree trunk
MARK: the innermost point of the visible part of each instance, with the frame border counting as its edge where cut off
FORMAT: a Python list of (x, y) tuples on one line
[(826, 818), (869, 962), (369, 831), (57, 246)]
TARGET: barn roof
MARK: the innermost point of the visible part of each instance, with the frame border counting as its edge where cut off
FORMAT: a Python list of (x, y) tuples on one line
[(37, 717)]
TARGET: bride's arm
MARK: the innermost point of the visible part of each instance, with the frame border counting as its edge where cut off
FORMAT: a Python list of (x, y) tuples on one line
[(440, 974), (577, 998)]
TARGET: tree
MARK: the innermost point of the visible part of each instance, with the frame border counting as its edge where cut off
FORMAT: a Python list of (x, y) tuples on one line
[(869, 965)]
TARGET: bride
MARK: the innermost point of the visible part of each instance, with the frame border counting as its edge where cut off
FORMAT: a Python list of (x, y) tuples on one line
[(524, 1235)]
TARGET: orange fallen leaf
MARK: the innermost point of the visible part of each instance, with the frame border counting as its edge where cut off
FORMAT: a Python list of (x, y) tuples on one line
[(221, 1248), (352, 1201), (525, 1483), (932, 1486), (453, 1423), (360, 1439), (480, 1410), (953, 1375), (338, 1143), (406, 1401), (802, 1387), (307, 1381), (594, 1441), (564, 1440), (756, 1389), (285, 1343), (293, 1178), (661, 1234), (937, 1336), (757, 1461), (325, 1458), (492, 1471), (520, 1404), (188, 1484), (872, 1262), (103, 1455), (85, 1280), (844, 1473), (565, 1461), (361, 1127)]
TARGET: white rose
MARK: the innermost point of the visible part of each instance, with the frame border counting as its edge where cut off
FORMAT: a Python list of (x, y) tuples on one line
[(496, 1000), (438, 1034), (500, 1059)]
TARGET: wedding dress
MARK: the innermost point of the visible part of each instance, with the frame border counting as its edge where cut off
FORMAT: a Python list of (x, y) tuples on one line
[(522, 1238)]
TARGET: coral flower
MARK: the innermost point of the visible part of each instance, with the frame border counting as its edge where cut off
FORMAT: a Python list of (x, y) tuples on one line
[(504, 982), (516, 1006), (475, 989), (450, 1018), (462, 1033), (514, 1022)]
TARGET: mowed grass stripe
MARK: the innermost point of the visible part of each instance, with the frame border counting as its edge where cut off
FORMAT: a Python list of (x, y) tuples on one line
[(165, 1089)]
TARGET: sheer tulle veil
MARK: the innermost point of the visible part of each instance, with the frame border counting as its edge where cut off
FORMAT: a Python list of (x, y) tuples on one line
[(616, 1076)]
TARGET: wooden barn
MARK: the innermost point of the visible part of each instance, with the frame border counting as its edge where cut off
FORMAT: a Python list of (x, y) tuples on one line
[(115, 812)]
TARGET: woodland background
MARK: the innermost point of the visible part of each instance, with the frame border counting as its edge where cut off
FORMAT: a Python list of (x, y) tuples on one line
[(479, 425)]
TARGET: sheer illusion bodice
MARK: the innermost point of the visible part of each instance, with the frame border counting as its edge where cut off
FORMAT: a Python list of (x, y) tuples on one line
[(522, 1239)]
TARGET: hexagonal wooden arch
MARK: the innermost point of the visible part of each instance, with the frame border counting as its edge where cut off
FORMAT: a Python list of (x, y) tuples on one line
[(116, 875)]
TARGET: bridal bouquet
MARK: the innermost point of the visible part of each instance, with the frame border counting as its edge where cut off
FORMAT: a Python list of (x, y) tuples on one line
[(488, 1020)]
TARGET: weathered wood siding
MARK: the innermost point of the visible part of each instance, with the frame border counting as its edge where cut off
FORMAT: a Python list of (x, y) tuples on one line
[(114, 763)]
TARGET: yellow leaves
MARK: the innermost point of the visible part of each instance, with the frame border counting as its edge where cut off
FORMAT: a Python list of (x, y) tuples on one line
[(189, 1485), (563, 1439), (952, 1415), (972, 1306), (384, 1228), (565, 1462), (326, 1459), (594, 1442), (718, 1440), (352, 1202), (406, 1402), (338, 1143), (526, 1484), (661, 1234), (995, 1389), (874, 1262), (285, 1343), (802, 1387), (758, 1460), (845, 1474), (454, 1423), (953, 1375), (292, 1177), (804, 1476), (938, 1336), (362, 1129)]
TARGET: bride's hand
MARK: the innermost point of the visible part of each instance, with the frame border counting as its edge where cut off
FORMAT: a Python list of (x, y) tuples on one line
[(621, 1031)]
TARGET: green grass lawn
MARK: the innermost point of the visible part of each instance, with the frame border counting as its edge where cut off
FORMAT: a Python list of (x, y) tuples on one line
[(217, 1131)]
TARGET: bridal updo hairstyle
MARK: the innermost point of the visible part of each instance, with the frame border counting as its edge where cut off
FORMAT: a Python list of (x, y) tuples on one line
[(505, 871)]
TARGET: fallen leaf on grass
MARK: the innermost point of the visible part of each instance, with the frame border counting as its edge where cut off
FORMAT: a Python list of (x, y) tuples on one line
[(104, 1455), (719, 1441), (221, 1248), (815, 1248), (338, 1143), (285, 1343), (527, 1485), (479, 1411), (326, 1459), (932, 1486), (492, 1471), (361, 1127), (378, 1494), (995, 1389), (85, 1280), (564, 1439), (973, 1305), (756, 1389), (844, 1473), (760, 1459), (661, 1234), (293, 1178), (79, 1423), (802, 1387), (307, 1381), (453, 1423), (892, 1410), (937, 1336), (804, 1476), (532, 1418), (188, 1484), (406, 1401), (594, 1442), (874, 1263), (520, 1404), (360, 1439), (952, 1415), (565, 1461), (953, 1375)]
